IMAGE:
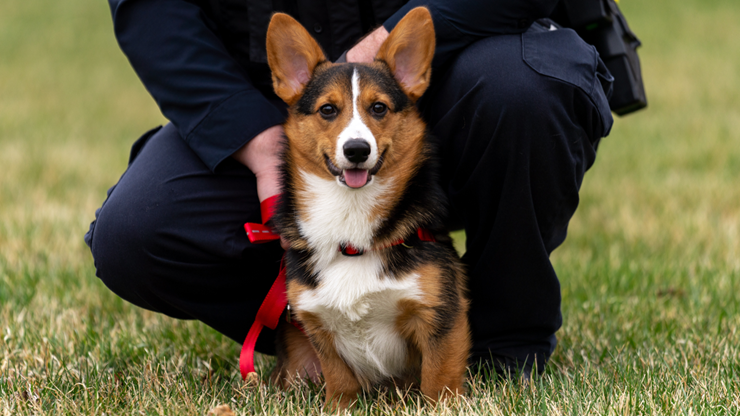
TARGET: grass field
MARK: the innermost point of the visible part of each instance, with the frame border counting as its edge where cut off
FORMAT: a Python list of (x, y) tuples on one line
[(650, 271)]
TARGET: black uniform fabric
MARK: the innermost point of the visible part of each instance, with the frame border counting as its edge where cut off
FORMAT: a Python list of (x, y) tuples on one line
[(518, 117), (195, 56)]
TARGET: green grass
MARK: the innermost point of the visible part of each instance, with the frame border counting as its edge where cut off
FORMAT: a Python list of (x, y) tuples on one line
[(650, 272)]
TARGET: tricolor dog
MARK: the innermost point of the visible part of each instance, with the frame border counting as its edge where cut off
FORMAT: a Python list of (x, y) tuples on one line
[(371, 273)]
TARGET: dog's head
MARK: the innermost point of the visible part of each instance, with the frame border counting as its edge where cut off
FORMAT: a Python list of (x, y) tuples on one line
[(353, 122)]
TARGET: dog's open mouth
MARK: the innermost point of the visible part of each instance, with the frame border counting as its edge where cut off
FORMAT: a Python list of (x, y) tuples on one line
[(354, 178)]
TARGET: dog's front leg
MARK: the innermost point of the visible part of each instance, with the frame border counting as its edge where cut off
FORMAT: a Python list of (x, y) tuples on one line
[(342, 387), (444, 361), (296, 358)]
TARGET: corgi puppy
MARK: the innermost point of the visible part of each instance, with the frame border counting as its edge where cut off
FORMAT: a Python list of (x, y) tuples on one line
[(378, 299)]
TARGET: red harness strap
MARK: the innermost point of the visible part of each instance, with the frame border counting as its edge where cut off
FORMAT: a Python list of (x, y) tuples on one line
[(277, 299)]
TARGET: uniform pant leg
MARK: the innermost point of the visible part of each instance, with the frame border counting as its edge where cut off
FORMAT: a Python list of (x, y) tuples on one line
[(516, 138), (170, 238)]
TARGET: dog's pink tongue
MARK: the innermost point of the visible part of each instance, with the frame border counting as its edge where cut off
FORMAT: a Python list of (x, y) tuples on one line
[(355, 178)]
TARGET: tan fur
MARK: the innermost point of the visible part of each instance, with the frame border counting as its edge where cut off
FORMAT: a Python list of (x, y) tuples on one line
[(318, 136), (438, 361), (400, 138), (342, 386), (302, 362), (443, 363), (408, 51), (444, 359), (399, 135), (293, 53)]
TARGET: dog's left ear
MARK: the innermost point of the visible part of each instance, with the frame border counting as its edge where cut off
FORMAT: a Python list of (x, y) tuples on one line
[(409, 50), (292, 55)]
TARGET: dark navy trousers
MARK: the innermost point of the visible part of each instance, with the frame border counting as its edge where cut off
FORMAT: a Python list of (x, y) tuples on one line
[(517, 119)]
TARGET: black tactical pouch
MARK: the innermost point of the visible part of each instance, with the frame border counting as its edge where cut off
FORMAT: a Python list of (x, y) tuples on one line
[(600, 23)]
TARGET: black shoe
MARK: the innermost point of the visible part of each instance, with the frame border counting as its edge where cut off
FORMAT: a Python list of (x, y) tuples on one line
[(500, 367)]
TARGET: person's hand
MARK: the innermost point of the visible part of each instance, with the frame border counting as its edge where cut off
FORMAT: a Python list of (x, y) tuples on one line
[(366, 50), (262, 156)]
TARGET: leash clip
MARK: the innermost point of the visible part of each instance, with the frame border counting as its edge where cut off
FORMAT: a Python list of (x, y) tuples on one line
[(261, 233)]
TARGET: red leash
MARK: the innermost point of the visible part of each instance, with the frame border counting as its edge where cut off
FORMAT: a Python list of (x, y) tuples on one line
[(277, 299)]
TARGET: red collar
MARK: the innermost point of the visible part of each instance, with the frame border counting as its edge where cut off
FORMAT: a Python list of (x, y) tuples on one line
[(421, 233), (260, 233)]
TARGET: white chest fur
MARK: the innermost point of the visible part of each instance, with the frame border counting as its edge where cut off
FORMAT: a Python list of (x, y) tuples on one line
[(339, 215), (360, 307), (354, 299)]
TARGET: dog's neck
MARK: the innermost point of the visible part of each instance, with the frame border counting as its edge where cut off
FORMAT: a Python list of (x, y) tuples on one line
[(333, 214)]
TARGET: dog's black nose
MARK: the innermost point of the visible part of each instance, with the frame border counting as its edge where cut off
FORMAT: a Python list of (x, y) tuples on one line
[(356, 151)]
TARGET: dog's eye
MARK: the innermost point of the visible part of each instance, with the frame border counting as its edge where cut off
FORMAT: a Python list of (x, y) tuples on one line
[(379, 109), (327, 110)]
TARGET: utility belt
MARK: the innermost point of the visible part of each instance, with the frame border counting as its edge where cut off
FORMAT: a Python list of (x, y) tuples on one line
[(601, 23)]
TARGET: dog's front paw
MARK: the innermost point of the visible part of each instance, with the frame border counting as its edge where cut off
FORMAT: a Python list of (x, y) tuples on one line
[(337, 405), (252, 380), (221, 410)]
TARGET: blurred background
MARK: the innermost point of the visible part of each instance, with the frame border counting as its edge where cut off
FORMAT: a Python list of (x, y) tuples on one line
[(651, 266)]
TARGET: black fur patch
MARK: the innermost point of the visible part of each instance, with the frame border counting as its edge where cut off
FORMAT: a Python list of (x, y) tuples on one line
[(387, 83), (295, 263), (342, 74), (400, 261), (423, 204)]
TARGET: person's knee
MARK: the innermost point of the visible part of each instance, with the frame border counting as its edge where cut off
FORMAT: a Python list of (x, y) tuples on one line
[(119, 245), (510, 127), (491, 79)]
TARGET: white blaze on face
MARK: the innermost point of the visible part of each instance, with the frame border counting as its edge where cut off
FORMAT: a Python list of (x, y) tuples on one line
[(356, 130)]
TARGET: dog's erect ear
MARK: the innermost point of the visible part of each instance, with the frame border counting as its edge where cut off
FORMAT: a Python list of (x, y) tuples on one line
[(292, 55), (409, 50)]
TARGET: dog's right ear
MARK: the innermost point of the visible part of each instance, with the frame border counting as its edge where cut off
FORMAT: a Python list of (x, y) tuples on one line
[(292, 55)]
